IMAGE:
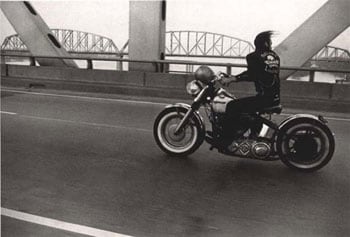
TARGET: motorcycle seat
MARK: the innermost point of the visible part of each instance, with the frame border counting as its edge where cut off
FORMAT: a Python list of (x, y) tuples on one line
[(277, 109)]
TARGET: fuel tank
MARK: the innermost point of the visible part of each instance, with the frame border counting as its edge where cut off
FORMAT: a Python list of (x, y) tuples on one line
[(221, 100)]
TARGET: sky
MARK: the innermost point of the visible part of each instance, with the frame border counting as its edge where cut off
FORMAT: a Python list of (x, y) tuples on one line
[(238, 18)]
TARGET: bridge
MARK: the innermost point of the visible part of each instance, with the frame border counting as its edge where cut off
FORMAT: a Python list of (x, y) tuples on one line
[(79, 158), (178, 44), (332, 53)]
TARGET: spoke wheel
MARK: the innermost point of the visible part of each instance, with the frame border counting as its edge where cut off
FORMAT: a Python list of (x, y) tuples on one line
[(305, 146), (183, 143), (176, 142)]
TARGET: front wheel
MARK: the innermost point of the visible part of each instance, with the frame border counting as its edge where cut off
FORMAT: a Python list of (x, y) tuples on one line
[(186, 141), (305, 145)]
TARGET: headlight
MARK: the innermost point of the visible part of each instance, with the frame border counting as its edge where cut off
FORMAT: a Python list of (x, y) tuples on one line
[(193, 88)]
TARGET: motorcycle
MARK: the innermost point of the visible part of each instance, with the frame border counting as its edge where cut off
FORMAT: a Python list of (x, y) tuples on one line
[(303, 142)]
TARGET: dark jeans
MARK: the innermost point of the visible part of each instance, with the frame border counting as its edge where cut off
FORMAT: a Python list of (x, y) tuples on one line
[(236, 120), (249, 105)]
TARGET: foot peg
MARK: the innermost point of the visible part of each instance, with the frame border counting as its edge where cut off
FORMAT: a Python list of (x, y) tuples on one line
[(210, 140)]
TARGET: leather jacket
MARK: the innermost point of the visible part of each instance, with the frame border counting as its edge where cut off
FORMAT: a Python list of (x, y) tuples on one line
[(263, 70)]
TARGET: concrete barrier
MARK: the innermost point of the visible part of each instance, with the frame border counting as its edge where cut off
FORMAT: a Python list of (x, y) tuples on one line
[(306, 90), (341, 92), (305, 95), (3, 70), (74, 74), (36, 72), (163, 80), (107, 76)]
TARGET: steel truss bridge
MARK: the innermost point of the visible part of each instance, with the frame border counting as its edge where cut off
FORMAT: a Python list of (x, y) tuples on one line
[(73, 41), (205, 44), (178, 43)]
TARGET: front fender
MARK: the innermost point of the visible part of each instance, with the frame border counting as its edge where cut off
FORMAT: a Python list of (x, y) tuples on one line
[(187, 107), (177, 105)]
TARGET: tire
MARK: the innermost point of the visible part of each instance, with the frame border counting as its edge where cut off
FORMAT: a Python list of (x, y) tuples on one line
[(305, 144), (184, 144)]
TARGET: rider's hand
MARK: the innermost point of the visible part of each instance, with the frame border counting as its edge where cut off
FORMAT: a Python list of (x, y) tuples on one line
[(225, 81)]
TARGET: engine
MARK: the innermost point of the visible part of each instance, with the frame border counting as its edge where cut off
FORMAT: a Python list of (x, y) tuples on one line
[(251, 149)]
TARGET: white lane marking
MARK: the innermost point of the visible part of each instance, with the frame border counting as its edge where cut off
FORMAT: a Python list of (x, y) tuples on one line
[(57, 224), (87, 97), (328, 118), (338, 119), (88, 123), (130, 101), (5, 112)]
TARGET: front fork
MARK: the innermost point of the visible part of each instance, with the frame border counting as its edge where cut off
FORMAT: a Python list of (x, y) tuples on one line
[(183, 121), (195, 106)]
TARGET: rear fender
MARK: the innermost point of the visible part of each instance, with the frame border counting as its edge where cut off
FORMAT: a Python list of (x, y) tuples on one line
[(303, 118)]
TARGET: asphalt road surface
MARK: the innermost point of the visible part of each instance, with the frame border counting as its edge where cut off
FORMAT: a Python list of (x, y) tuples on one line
[(93, 162)]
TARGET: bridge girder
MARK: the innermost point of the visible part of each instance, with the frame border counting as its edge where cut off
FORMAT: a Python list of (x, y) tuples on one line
[(199, 43), (178, 43), (332, 52), (71, 40), (35, 33)]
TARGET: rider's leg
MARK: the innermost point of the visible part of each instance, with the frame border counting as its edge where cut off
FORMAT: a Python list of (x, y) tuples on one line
[(248, 105)]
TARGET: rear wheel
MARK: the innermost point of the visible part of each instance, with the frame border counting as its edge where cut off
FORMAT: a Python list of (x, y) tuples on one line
[(305, 145), (186, 141)]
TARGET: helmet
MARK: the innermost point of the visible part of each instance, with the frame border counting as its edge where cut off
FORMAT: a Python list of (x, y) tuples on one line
[(204, 74)]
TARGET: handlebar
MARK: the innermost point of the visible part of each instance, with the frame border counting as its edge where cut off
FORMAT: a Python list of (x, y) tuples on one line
[(221, 75)]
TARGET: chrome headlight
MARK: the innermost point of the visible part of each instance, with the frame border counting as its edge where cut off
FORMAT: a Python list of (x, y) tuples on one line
[(193, 88)]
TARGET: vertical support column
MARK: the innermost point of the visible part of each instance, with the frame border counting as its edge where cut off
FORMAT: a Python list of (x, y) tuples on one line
[(2, 60), (146, 33), (32, 61), (316, 32), (312, 76), (119, 66), (228, 70)]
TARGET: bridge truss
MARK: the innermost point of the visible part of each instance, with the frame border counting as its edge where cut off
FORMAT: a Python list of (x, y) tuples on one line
[(332, 53), (78, 41), (73, 41), (178, 43), (205, 44)]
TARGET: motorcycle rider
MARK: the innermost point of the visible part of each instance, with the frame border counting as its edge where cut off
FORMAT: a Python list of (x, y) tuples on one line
[(263, 70)]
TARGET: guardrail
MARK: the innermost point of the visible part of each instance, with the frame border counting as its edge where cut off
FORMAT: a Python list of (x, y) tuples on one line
[(162, 65)]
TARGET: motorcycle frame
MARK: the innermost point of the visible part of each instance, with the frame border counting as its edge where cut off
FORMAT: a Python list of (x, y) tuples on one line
[(208, 92)]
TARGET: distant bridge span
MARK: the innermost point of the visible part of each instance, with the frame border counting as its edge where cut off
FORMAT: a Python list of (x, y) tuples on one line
[(205, 44), (178, 43), (73, 41)]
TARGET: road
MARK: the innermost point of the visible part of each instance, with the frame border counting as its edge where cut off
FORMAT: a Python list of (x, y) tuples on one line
[(93, 162)]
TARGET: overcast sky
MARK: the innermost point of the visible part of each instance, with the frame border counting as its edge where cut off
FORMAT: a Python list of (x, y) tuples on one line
[(239, 18)]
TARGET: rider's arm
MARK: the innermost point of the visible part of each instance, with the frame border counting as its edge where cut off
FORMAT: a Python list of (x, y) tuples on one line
[(227, 79), (252, 64), (247, 75), (244, 76)]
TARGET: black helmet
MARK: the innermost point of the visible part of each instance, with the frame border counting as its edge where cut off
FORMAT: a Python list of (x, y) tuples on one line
[(204, 74)]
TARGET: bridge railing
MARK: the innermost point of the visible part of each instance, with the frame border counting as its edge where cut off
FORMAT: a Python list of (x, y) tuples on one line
[(163, 65)]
